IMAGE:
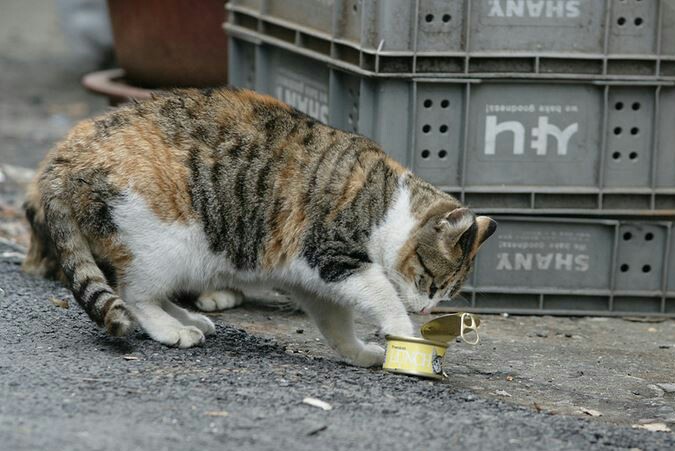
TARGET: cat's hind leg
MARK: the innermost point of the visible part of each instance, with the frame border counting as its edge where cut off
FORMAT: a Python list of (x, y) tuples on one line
[(213, 301), (188, 318), (163, 327)]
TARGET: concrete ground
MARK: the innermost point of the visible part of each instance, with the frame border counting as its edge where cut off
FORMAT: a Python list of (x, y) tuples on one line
[(532, 382)]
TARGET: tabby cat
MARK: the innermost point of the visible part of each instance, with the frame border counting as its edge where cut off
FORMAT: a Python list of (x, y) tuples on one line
[(213, 191)]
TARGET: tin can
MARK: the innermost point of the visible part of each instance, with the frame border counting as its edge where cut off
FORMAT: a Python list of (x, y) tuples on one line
[(415, 356), (424, 356)]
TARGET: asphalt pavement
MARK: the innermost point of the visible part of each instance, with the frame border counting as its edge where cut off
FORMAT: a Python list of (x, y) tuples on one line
[(65, 385)]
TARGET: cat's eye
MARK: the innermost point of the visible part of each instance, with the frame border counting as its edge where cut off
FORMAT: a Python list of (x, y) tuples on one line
[(423, 282)]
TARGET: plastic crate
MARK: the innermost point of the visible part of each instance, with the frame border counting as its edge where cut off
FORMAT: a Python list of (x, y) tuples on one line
[(538, 265), (514, 146), (579, 38)]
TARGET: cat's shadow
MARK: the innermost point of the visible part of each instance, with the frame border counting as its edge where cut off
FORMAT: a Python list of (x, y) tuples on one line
[(113, 345), (227, 339)]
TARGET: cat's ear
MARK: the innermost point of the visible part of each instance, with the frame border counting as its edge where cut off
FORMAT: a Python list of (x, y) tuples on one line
[(486, 227), (455, 224)]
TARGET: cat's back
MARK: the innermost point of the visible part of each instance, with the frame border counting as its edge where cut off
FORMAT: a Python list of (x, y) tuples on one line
[(153, 147), (260, 179), (193, 175), (165, 128)]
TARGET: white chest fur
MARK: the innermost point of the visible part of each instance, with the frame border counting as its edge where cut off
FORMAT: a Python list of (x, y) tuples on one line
[(388, 238)]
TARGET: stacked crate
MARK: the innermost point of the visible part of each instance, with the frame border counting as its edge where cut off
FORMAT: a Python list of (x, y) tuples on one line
[(557, 117)]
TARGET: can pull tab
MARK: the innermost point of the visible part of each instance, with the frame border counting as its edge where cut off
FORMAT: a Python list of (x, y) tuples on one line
[(471, 328)]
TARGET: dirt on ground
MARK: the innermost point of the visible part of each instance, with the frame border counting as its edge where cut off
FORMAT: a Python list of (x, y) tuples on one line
[(614, 370)]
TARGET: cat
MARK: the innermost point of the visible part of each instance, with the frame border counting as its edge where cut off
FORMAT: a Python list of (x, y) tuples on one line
[(216, 190)]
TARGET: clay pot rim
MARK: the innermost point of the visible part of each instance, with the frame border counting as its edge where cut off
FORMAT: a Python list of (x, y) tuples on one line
[(110, 82)]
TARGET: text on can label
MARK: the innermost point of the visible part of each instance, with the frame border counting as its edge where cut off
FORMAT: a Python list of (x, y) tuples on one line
[(403, 357)]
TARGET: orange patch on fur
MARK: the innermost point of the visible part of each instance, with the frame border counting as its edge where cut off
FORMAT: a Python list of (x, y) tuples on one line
[(256, 98), (397, 167), (290, 223), (357, 179), (406, 254), (285, 240), (139, 159)]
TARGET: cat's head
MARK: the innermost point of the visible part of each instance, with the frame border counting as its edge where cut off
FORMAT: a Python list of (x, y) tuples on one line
[(438, 257)]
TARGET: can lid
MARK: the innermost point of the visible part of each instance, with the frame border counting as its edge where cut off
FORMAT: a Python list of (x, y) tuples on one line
[(447, 327), (427, 341)]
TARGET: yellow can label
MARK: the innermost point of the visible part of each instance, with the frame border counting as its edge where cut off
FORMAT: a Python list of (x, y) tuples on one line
[(416, 358)]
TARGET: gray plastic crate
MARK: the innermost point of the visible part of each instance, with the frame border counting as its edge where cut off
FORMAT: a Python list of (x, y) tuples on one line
[(538, 265), (580, 38), (588, 147)]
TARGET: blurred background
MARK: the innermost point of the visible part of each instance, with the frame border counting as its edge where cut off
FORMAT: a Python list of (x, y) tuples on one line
[(45, 48)]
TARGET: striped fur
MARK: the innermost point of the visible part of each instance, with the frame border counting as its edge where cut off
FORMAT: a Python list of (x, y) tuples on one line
[(237, 189)]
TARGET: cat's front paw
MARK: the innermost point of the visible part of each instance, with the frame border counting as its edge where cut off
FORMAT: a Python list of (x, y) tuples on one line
[(400, 327), (180, 337), (189, 337), (372, 354), (204, 324)]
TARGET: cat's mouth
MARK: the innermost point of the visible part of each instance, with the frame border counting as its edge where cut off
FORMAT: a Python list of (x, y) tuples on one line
[(426, 310)]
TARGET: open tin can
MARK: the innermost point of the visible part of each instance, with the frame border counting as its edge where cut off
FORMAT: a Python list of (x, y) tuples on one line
[(424, 356)]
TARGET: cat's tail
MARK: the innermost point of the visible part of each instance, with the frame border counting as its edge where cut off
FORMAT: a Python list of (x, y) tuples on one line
[(41, 258), (87, 282)]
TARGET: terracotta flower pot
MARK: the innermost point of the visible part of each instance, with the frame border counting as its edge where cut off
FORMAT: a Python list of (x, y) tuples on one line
[(170, 43)]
